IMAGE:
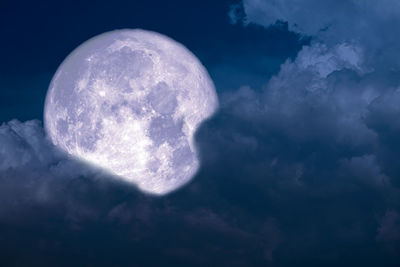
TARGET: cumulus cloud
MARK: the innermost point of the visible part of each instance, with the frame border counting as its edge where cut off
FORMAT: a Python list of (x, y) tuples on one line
[(338, 19), (326, 124), (341, 89), (32, 171), (369, 24), (56, 205)]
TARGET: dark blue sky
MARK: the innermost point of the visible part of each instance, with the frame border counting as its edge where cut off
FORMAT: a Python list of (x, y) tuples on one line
[(41, 35), (299, 167)]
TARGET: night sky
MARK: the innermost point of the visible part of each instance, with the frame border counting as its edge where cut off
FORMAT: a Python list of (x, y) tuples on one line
[(300, 166)]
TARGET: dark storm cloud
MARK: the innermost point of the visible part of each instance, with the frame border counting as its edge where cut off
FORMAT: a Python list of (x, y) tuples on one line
[(59, 207), (343, 88), (320, 140), (32, 171)]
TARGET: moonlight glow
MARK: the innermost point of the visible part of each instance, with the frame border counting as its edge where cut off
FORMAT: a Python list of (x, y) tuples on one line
[(130, 101)]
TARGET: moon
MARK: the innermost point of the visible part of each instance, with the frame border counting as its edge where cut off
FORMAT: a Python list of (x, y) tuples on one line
[(130, 102)]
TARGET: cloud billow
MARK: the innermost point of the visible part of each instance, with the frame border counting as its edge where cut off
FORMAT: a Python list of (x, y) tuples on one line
[(322, 130), (369, 24), (57, 206)]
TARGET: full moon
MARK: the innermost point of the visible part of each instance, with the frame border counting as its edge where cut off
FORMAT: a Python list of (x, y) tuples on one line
[(130, 101)]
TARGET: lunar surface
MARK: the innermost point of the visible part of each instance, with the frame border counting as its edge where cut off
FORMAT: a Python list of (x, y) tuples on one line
[(130, 101)]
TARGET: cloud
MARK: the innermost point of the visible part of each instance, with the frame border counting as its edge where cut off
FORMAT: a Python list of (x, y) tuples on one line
[(326, 124), (389, 229), (23, 144), (66, 211), (317, 146), (369, 24), (342, 89), (336, 18)]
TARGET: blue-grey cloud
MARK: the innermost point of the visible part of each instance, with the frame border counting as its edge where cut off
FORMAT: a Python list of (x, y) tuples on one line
[(23, 144), (369, 24), (343, 87), (326, 125), (64, 201)]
